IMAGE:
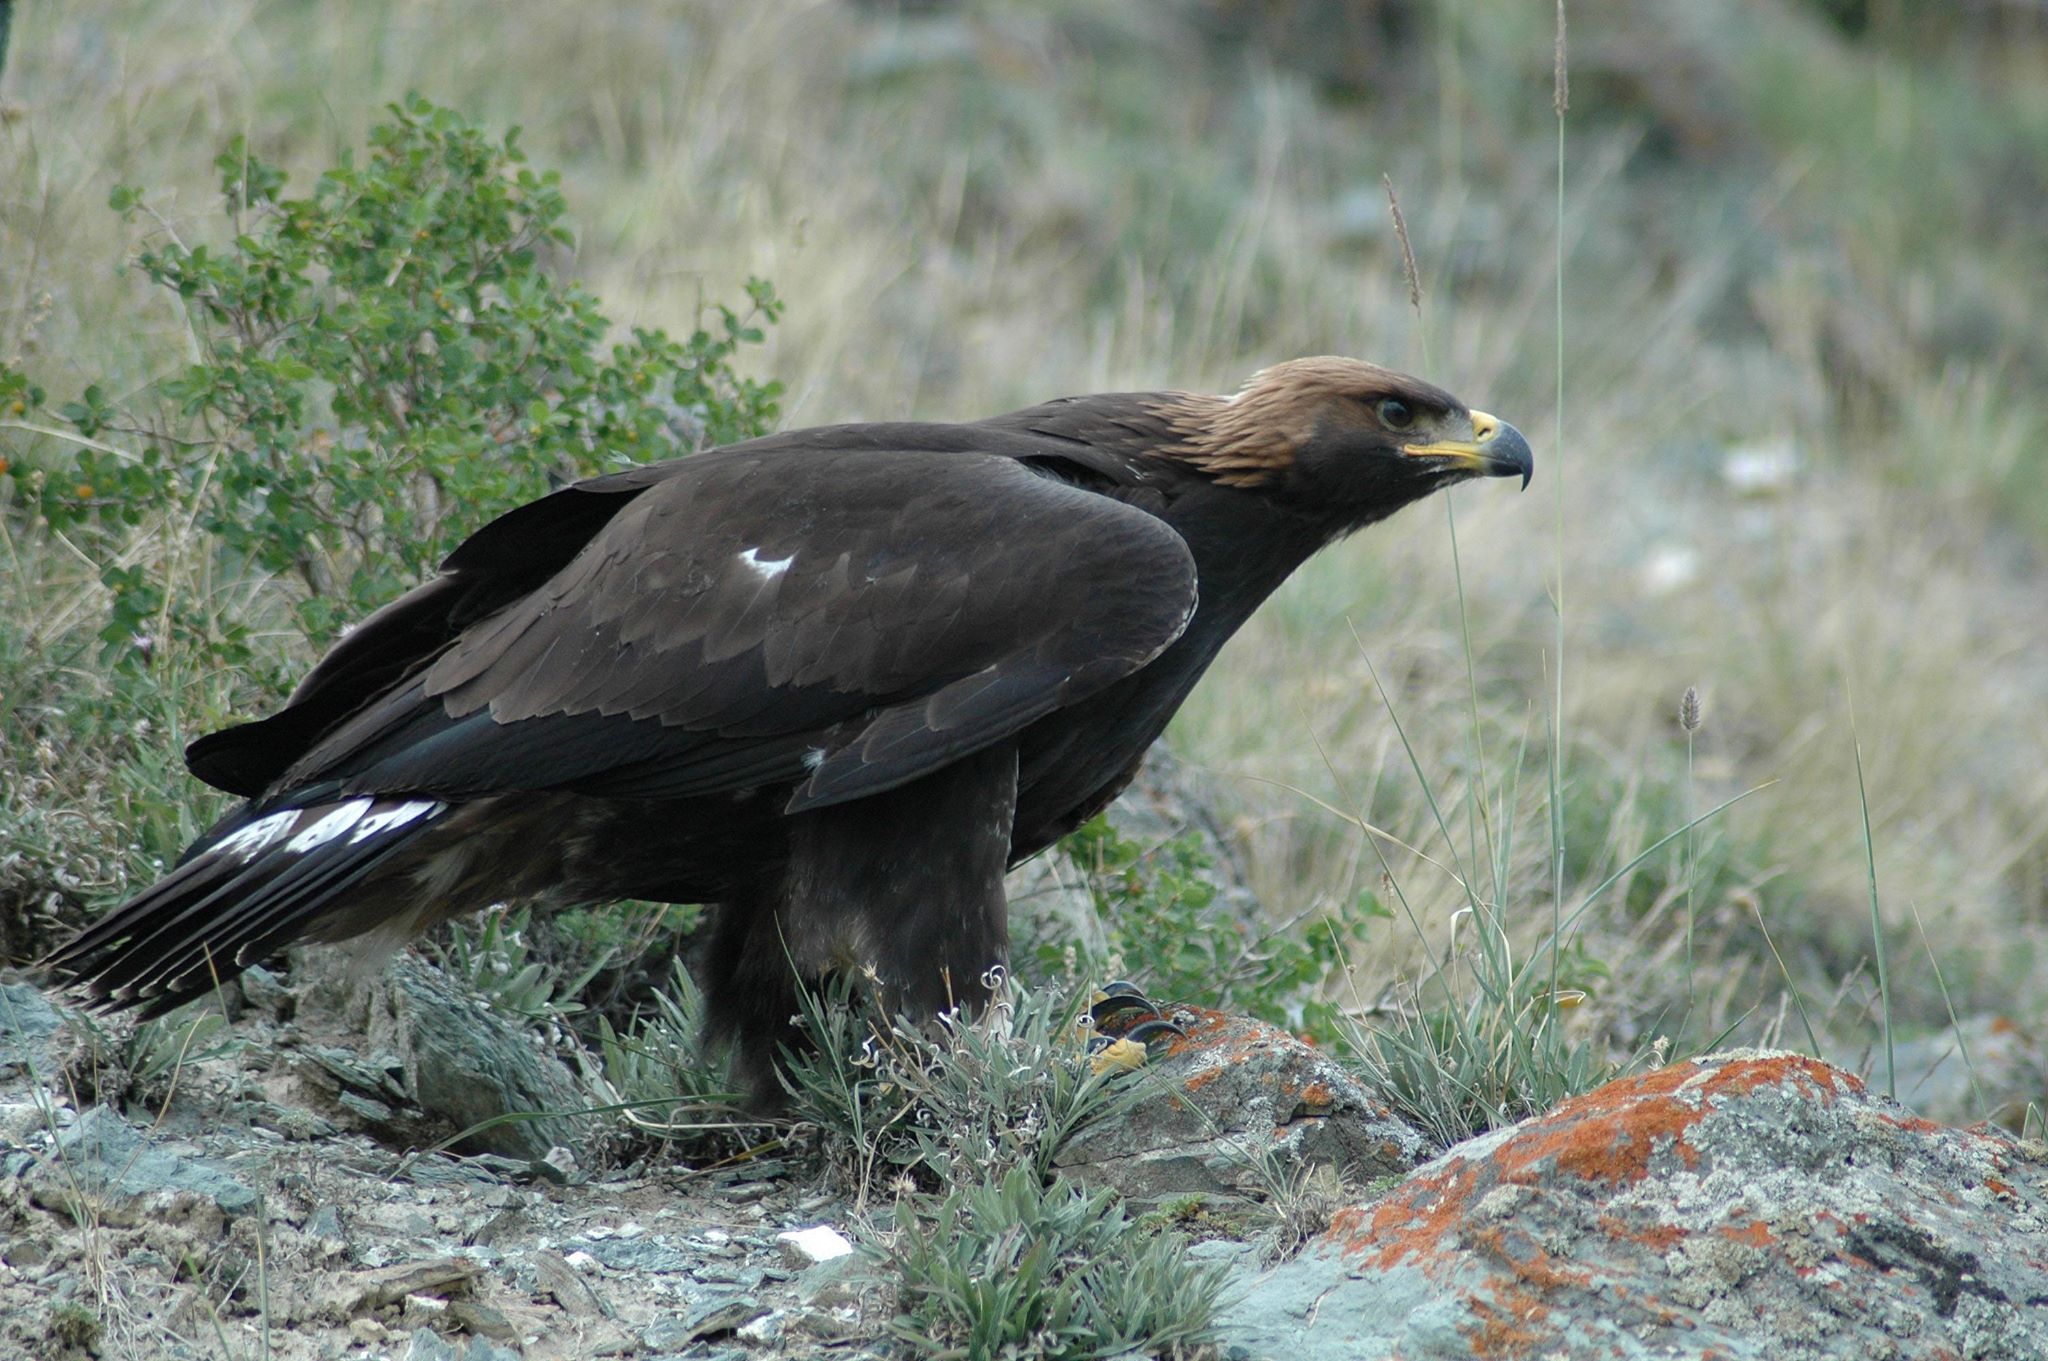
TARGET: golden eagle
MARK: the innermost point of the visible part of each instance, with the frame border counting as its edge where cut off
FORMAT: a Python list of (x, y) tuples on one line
[(833, 682)]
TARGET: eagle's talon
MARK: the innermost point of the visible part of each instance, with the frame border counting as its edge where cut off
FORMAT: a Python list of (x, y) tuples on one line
[(1117, 1054), (1108, 1011), (1154, 1034)]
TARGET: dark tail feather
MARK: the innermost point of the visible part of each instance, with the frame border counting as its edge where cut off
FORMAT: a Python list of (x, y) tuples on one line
[(253, 888)]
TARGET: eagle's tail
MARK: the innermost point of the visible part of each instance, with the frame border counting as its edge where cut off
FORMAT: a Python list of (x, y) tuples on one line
[(252, 885)]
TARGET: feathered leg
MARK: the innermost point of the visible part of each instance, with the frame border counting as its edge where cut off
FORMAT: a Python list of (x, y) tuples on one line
[(902, 890)]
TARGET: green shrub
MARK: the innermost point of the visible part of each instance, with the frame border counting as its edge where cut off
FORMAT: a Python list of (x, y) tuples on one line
[(1016, 1268), (1166, 930), (382, 365), (950, 1100), (672, 1085)]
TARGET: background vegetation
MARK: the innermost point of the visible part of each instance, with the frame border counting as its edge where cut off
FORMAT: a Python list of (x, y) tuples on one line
[(1797, 460)]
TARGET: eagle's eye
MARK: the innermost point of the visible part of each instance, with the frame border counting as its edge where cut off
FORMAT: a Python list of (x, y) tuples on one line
[(1396, 414)]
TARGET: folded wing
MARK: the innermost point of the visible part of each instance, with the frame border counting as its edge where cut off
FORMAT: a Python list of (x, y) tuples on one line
[(844, 619)]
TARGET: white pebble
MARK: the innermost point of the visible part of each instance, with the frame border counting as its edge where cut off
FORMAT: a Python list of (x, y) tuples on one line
[(808, 1247)]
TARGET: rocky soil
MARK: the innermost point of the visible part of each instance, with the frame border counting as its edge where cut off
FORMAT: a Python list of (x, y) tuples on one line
[(280, 1188), (1751, 1205)]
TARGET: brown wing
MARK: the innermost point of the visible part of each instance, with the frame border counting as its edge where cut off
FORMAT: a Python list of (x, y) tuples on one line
[(848, 618)]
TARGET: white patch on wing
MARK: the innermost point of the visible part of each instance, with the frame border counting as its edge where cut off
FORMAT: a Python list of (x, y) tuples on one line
[(249, 842), (814, 758), (769, 570), (328, 828), (384, 819)]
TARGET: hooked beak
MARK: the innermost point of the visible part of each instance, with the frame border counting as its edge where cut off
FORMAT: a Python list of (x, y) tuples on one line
[(1496, 449)]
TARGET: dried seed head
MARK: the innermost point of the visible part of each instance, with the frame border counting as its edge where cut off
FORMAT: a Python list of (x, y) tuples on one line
[(1689, 717), (1407, 251), (1560, 80)]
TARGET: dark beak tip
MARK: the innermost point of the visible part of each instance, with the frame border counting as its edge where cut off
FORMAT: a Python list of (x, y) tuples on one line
[(1512, 455)]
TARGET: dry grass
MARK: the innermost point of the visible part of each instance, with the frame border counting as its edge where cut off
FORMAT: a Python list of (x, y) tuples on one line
[(1006, 203)]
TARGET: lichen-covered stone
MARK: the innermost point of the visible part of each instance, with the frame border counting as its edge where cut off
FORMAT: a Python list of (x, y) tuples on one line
[(1747, 1205), (1234, 1104)]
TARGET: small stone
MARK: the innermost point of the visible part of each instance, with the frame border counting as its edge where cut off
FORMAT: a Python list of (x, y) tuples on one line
[(1761, 468), (831, 1285), (808, 1247), (666, 1334), (477, 1318), (558, 1165), (25, 1253), (828, 1329), (496, 1227), (721, 1316), (264, 990), (21, 1121), (766, 1328)]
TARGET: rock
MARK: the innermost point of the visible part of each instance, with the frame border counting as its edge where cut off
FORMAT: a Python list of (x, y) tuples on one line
[(1235, 1106), (554, 1276), (557, 1165), (365, 1292), (720, 1315), (325, 1222), (104, 1167), (426, 1345), (761, 1331), (1983, 1068), (808, 1247), (22, 1122), (28, 1030), (440, 1062), (834, 1284), (635, 1254), (264, 991), (1746, 1205)]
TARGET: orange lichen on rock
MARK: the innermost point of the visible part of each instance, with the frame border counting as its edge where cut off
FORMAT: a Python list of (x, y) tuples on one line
[(1658, 1238), (1755, 1234), (1744, 1204), (1201, 1023), (1507, 1328), (1413, 1220), (1609, 1136), (1533, 1265)]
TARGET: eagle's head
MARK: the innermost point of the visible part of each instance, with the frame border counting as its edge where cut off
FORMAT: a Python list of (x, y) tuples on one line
[(1337, 433)]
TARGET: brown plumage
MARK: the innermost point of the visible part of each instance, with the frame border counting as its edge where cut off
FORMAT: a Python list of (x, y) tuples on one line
[(834, 681)]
